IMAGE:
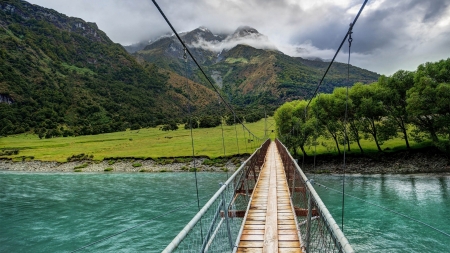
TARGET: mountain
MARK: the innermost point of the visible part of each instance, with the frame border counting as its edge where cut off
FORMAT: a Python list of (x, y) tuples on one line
[(61, 75), (248, 67)]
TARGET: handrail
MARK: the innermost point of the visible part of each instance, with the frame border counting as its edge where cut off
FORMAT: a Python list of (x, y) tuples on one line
[(337, 234)]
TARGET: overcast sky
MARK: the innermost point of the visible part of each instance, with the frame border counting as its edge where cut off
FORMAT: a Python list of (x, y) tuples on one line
[(389, 35)]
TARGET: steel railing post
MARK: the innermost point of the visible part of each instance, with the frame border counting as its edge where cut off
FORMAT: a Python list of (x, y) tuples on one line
[(308, 222)]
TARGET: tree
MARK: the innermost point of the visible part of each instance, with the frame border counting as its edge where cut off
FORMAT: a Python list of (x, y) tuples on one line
[(329, 112), (209, 121), (394, 97), (428, 102), (370, 109), (294, 127)]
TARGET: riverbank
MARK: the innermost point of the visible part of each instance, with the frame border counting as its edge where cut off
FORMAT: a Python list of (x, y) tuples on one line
[(125, 165), (426, 160), (404, 162)]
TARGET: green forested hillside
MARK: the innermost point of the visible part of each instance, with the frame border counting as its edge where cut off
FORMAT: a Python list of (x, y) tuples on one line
[(63, 76)]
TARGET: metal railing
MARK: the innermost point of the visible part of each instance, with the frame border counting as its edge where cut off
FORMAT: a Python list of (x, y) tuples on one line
[(319, 231), (216, 227)]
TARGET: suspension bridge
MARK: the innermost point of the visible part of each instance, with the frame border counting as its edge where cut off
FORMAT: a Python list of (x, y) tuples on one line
[(267, 205)]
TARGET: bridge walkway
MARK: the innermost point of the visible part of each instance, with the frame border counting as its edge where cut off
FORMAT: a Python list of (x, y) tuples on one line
[(270, 224)]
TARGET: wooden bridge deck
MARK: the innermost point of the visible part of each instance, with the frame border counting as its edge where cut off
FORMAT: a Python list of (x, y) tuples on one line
[(270, 225)]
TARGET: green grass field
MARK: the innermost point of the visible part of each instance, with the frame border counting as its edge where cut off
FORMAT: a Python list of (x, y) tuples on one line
[(325, 146), (154, 143), (143, 143)]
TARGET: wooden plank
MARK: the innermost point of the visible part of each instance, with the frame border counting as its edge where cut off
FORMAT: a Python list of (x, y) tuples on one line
[(290, 237), (289, 250), (253, 232), (252, 237), (289, 244), (249, 250), (270, 224), (251, 244)]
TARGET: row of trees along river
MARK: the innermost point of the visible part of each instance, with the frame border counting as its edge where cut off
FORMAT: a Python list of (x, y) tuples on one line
[(411, 105)]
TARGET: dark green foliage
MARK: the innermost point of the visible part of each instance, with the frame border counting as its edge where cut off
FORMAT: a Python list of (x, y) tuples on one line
[(164, 161), (80, 157), (217, 162), (209, 121), (82, 166), (6, 152), (378, 112), (135, 165), (171, 126)]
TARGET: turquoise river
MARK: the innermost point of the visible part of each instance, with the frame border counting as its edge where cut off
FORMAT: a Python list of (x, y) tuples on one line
[(62, 212)]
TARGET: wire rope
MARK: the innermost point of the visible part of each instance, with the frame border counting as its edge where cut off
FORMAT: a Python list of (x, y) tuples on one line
[(192, 136), (350, 40), (386, 209), (136, 226), (197, 64), (337, 52)]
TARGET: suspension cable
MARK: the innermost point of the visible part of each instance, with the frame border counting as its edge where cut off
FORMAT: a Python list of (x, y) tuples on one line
[(337, 52), (350, 40), (385, 208), (192, 135)]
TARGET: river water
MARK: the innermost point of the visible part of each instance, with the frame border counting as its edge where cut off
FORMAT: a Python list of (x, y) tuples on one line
[(62, 212)]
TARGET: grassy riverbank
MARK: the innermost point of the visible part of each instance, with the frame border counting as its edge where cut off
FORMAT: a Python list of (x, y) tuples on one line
[(154, 143), (143, 143)]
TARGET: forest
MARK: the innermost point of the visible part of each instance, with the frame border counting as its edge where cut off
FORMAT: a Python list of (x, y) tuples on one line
[(412, 105)]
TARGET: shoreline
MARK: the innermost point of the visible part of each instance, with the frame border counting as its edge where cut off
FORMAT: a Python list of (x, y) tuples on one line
[(405, 162), (119, 165)]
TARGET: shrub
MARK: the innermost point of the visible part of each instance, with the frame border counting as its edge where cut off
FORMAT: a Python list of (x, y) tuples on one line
[(184, 168), (78, 170), (79, 157), (218, 162), (137, 165), (163, 161), (193, 169), (111, 162), (84, 165), (182, 160), (109, 169)]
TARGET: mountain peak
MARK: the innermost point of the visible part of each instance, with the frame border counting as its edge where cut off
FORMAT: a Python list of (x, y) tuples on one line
[(244, 31)]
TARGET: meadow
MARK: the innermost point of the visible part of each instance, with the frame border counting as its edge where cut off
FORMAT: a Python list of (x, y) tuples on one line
[(154, 143), (143, 143)]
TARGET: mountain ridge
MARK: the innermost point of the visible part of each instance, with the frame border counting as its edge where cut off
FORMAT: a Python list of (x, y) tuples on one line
[(248, 74)]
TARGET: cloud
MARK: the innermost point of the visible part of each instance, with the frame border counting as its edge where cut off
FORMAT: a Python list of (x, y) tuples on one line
[(389, 35), (254, 40)]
